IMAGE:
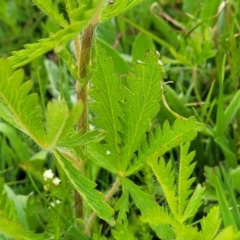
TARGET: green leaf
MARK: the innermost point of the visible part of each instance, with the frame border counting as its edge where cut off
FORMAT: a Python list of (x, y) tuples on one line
[(70, 62), (123, 231), (211, 223), (79, 139), (98, 154), (120, 65), (71, 5), (141, 44), (85, 187), (166, 178), (48, 7), (232, 197), (164, 139), (167, 138), (17, 107), (14, 230), (31, 51), (145, 203), (184, 181), (122, 206), (56, 117), (231, 109), (158, 215), (227, 216), (194, 203), (228, 233), (118, 7), (140, 103), (19, 206), (57, 40), (23, 111), (106, 91), (235, 174), (142, 200)]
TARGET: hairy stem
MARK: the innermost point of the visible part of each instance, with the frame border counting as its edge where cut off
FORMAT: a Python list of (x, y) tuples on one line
[(83, 53), (110, 193)]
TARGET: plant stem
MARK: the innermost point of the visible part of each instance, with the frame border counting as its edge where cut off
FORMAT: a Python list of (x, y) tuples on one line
[(107, 197), (83, 53)]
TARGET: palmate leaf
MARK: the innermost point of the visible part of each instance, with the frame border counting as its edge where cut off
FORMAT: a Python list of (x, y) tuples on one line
[(106, 91), (85, 187), (23, 111), (48, 7), (140, 103), (117, 7)]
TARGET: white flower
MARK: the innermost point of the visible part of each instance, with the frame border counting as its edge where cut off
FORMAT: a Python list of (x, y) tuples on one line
[(52, 204), (48, 174), (56, 181), (108, 152), (58, 201), (46, 187), (160, 63)]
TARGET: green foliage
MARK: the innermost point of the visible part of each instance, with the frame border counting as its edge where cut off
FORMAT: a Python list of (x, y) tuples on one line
[(85, 188), (12, 218), (142, 129)]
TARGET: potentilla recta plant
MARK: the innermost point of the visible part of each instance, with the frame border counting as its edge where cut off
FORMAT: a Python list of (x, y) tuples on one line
[(123, 144)]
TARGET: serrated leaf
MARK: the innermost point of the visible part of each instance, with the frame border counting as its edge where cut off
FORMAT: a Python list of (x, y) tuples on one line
[(140, 103), (31, 51), (194, 203), (80, 140), (228, 233), (71, 5), (158, 215), (145, 203), (117, 7), (211, 223), (57, 40), (23, 111), (122, 206), (142, 200), (170, 137), (51, 10), (70, 62), (123, 231), (166, 178), (86, 188), (184, 181), (106, 91), (17, 107)]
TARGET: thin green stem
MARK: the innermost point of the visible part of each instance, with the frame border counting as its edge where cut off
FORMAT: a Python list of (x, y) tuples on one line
[(110, 193)]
